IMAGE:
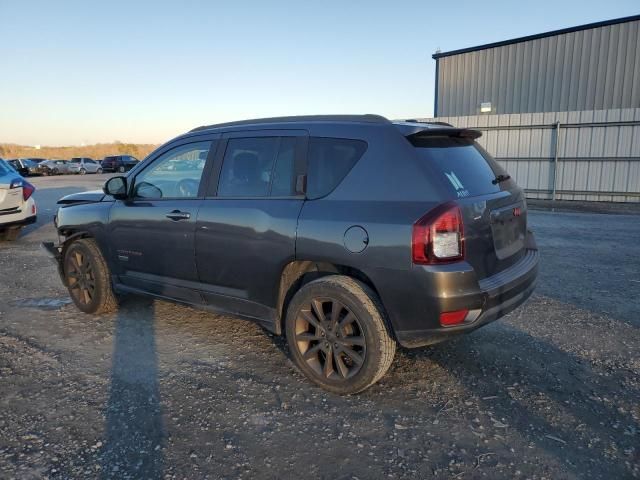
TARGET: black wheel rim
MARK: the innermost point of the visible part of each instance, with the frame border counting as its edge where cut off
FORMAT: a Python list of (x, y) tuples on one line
[(80, 278), (330, 339)]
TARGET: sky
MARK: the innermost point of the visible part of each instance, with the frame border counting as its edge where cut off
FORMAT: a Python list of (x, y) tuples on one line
[(82, 72)]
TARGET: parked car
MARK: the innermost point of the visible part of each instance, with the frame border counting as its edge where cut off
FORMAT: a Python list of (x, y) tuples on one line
[(17, 206), (25, 166), (349, 234), (53, 167), (119, 163), (84, 165)]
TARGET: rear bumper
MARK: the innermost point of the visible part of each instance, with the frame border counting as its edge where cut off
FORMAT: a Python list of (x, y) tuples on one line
[(18, 223), (488, 299)]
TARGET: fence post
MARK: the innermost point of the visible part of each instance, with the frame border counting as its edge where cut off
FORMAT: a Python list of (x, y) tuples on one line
[(555, 161)]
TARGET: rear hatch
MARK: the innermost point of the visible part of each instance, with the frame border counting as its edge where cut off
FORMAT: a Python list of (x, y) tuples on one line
[(493, 207), (10, 198)]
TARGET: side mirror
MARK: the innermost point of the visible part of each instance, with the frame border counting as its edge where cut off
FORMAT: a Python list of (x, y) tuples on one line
[(116, 187)]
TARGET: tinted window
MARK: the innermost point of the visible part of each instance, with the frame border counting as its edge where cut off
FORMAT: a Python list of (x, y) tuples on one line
[(460, 164), (329, 161), (283, 183), (247, 167), (75, 160), (88, 160), (176, 174)]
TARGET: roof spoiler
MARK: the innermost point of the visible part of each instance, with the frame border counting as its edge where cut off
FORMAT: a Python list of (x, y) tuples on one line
[(444, 132)]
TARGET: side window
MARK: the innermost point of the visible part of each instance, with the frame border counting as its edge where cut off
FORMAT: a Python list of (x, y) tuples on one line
[(176, 174), (247, 167), (329, 161), (283, 184)]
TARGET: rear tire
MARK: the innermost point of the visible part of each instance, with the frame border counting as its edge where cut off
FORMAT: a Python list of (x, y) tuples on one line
[(55, 171), (82, 171), (88, 278), (10, 234), (337, 334), (121, 169)]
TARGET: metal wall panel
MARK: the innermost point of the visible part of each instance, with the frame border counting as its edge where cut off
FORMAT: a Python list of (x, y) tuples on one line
[(598, 151), (594, 69)]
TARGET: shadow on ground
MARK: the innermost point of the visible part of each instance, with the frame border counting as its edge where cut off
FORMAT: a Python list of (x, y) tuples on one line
[(134, 429)]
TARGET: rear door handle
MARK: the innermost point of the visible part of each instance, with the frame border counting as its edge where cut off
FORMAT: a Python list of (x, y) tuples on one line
[(178, 215)]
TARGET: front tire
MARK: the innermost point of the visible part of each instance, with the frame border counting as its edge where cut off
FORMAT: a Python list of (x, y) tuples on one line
[(88, 278), (99, 171), (337, 335)]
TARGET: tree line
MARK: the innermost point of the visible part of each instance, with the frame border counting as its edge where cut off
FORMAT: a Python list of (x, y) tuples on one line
[(97, 151)]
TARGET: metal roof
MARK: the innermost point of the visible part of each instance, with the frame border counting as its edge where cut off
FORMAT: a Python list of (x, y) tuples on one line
[(537, 36)]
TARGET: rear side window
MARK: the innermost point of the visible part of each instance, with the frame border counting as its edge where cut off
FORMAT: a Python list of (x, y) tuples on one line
[(460, 164), (258, 167), (329, 161)]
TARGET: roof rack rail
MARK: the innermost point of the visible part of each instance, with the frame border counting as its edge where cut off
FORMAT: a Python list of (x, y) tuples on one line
[(367, 118)]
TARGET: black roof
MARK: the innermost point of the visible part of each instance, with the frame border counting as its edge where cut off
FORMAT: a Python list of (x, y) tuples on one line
[(299, 119), (537, 36)]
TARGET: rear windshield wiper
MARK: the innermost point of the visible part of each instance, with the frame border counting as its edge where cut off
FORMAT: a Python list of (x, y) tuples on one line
[(500, 178)]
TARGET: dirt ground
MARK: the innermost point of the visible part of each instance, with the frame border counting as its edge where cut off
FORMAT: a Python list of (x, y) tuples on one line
[(165, 391)]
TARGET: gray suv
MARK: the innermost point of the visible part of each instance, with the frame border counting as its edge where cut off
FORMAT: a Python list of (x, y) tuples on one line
[(347, 234)]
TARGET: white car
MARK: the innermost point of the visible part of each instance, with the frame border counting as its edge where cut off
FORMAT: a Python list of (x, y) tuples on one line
[(17, 206), (84, 165)]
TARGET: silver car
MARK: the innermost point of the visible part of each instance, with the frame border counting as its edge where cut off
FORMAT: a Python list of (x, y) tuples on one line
[(84, 165), (54, 167)]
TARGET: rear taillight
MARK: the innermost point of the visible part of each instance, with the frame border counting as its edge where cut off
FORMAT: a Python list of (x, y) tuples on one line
[(448, 319), (438, 236), (27, 190)]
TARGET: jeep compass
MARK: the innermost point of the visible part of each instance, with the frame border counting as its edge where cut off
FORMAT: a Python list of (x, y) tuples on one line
[(348, 234)]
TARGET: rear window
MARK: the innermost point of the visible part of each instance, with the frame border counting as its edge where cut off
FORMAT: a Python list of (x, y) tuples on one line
[(462, 166), (329, 161)]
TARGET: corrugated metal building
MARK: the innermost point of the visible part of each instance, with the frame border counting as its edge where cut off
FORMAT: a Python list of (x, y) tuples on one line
[(561, 110)]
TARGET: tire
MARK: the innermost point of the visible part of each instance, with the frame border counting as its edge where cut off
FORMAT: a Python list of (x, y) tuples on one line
[(84, 266), (359, 352), (82, 171), (99, 171), (55, 171), (10, 234), (121, 169)]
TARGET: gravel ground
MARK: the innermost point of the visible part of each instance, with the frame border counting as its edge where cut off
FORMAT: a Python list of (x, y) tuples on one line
[(166, 391)]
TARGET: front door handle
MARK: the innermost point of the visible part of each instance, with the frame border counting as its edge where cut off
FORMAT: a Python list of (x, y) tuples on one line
[(178, 215)]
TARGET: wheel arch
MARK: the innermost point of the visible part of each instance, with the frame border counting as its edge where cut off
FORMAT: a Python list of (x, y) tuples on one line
[(298, 273)]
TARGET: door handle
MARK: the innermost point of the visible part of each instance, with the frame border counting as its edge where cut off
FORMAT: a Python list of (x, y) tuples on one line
[(178, 215)]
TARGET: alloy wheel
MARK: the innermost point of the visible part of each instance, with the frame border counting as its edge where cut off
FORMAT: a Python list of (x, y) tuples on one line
[(330, 339), (80, 277)]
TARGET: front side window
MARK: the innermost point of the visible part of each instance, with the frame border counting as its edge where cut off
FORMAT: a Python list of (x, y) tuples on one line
[(258, 167), (176, 174)]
